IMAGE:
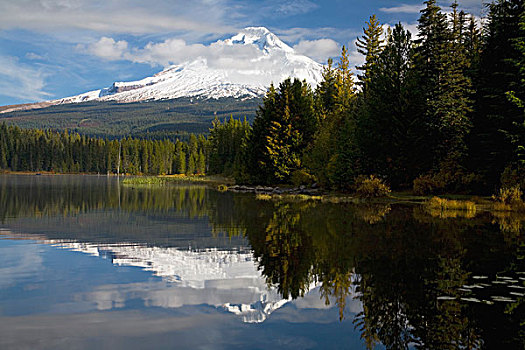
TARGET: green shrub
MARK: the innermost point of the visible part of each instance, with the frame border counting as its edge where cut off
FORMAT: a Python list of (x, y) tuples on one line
[(448, 179), (370, 187), (428, 184), (301, 177)]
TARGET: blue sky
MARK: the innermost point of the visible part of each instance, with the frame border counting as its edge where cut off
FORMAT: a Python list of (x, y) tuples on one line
[(57, 48)]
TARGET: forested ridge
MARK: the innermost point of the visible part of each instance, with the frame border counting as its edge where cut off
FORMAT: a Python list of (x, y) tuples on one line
[(172, 119), (443, 112), (39, 150)]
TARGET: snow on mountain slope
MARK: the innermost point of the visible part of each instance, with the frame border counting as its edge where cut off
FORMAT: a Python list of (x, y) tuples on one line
[(270, 61), (228, 280)]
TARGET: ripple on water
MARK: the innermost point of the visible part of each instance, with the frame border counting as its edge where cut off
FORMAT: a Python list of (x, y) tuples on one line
[(502, 299), (518, 287)]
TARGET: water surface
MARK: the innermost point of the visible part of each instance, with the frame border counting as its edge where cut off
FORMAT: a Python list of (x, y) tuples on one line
[(87, 262)]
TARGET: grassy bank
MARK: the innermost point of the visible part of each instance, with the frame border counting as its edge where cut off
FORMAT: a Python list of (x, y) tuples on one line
[(167, 179), (444, 205)]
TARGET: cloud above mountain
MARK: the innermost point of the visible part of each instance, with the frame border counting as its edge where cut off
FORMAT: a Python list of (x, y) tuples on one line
[(69, 46), (319, 50), (21, 80), (176, 51), (116, 16), (402, 8)]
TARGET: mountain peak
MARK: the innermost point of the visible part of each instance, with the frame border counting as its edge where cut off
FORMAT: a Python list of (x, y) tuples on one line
[(240, 67), (257, 30), (261, 37)]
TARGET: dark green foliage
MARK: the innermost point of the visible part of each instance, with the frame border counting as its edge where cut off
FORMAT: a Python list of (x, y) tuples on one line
[(156, 120), (391, 124), (517, 94), (284, 126), (39, 150), (497, 119), (326, 91), (443, 113), (332, 155), (431, 46), (225, 146), (370, 46), (442, 65)]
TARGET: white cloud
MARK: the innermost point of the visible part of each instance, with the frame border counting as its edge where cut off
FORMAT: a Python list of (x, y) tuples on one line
[(295, 7), (108, 48), (403, 8), (115, 16), (473, 6), (319, 50), (412, 28), (168, 52), (357, 59), (19, 261), (298, 34), (34, 56), (217, 54), (21, 81)]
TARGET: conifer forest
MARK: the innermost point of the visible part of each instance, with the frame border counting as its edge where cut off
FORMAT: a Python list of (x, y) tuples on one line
[(438, 112)]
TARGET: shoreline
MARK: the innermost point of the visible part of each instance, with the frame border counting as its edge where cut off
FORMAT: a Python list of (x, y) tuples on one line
[(443, 202)]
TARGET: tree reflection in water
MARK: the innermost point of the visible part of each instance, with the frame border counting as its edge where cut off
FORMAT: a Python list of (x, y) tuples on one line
[(413, 272), (425, 280)]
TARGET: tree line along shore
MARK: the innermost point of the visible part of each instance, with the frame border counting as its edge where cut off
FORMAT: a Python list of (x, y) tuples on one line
[(440, 113)]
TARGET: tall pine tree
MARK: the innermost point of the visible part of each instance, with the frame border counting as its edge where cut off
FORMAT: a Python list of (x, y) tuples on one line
[(497, 118), (370, 46)]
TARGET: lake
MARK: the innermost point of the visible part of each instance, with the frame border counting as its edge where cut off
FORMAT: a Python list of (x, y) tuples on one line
[(87, 262)]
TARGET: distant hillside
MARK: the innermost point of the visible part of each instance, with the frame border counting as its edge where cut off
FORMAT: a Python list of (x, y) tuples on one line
[(153, 119)]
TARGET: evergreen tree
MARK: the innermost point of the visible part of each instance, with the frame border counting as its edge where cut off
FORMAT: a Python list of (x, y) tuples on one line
[(390, 125), (431, 49), (442, 66), (201, 163), (331, 156), (472, 42), (344, 83), (517, 95), (182, 162), (497, 119), (326, 91), (282, 129), (370, 46), (452, 102), (191, 168), (3, 146), (344, 164), (225, 143)]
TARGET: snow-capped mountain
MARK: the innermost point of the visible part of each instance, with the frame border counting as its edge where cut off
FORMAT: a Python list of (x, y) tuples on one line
[(226, 279), (263, 59)]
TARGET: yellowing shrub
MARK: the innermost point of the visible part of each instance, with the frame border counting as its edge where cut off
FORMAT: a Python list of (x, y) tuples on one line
[(512, 195), (370, 187)]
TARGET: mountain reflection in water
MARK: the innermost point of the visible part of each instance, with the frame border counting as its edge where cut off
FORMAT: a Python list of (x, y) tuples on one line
[(403, 275)]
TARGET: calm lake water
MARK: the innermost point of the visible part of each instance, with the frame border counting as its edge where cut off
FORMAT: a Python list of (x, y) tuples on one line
[(87, 262)]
